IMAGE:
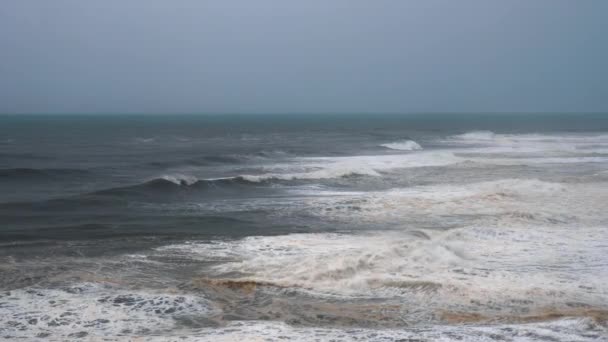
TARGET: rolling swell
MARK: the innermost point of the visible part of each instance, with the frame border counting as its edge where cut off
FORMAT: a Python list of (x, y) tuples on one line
[(200, 161), (167, 185), (165, 189), (165, 226), (221, 159), (40, 174)]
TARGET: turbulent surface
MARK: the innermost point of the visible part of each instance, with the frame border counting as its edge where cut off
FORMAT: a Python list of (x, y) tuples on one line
[(304, 228)]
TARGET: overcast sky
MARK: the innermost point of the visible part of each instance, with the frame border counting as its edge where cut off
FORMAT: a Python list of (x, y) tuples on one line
[(303, 56)]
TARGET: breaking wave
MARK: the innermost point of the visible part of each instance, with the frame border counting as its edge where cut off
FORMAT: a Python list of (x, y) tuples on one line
[(223, 159), (442, 269), (370, 165), (175, 183), (476, 135), (405, 145)]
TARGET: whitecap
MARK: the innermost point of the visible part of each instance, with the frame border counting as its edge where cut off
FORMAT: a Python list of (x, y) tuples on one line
[(92, 310), (336, 167), (180, 179), (476, 135), (404, 145)]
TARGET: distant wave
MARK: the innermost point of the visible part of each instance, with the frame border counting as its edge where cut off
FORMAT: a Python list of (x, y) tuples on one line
[(179, 179), (343, 167), (302, 169), (178, 182), (219, 159), (404, 145), (318, 174), (31, 173), (539, 146), (199, 161), (140, 140), (174, 184), (476, 135)]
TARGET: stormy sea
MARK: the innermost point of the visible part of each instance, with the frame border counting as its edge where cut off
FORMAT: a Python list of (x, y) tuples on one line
[(335, 227)]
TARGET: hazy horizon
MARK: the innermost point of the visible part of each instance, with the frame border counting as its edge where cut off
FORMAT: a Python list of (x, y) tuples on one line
[(270, 113), (314, 57)]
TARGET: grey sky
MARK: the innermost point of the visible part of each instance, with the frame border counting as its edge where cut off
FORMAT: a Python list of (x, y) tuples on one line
[(303, 56)]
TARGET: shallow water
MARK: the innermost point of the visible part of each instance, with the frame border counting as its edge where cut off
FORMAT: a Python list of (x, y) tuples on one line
[(385, 227)]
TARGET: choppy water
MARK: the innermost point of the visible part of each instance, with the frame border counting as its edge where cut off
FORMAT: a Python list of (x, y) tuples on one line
[(327, 227)]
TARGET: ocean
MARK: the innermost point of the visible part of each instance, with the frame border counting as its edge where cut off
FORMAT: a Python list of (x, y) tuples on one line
[(309, 227)]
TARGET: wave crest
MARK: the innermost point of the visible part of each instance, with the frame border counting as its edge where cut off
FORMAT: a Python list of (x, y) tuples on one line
[(476, 135), (180, 179), (404, 145)]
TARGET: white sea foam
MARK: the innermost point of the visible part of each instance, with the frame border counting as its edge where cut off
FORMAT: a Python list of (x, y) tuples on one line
[(92, 309), (180, 179), (569, 329), (464, 264), (335, 167), (483, 147), (476, 135), (404, 145), (530, 143), (498, 199), (483, 270), (489, 148)]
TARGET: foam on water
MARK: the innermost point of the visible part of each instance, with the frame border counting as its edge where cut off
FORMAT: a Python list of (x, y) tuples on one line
[(523, 247), (538, 145), (500, 203), (482, 147), (481, 236), (335, 167), (576, 329), (404, 145), (476, 135), (478, 262), (180, 179), (94, 309)]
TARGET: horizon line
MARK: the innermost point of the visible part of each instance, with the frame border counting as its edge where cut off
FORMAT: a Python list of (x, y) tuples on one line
[(305, 113)]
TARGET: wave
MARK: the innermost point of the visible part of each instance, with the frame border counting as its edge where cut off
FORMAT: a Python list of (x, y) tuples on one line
[(317, 168), (404, 145), (343, 167), (222, 159), (459, 265), (155, 315), (173, 184), (180, 179), (329, 262), (200, 161), (318, 174), (530, 148), (476, 135), (497, 203), (32, 173), (577, 328), (533, 141), (26, 313)]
